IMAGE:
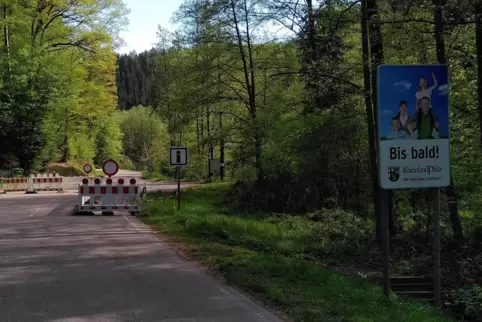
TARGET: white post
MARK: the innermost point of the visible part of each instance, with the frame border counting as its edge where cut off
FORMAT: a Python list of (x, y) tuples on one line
[(30, 189), (2, 190)]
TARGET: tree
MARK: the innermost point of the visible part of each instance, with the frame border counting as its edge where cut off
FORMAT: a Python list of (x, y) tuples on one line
[(60, 81)]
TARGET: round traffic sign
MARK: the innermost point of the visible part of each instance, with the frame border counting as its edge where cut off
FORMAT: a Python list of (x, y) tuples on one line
[(87, 168), (110, 167)]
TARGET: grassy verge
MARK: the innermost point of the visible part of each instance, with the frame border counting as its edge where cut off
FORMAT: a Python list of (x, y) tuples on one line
[(155, 176), (66, 169), (159, 177), (260, 254), (71, 170)]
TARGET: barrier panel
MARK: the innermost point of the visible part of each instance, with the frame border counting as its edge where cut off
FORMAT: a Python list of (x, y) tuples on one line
[(41, 182), (72, 183), (13, 184), (54, 182), (45, 182), (106, 196)]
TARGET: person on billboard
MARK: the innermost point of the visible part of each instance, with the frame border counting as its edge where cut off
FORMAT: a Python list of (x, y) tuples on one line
[(405, 119), (396, 133), (428, 125), (424, 90)]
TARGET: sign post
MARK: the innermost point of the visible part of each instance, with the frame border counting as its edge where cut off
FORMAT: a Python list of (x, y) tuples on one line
[(178, 187), (414, 141), (178, 158)]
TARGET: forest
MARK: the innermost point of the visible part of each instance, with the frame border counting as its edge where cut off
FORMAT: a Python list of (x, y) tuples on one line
[(283, 92)]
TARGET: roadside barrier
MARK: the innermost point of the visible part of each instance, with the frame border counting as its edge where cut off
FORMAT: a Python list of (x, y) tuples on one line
[(42, 182), (13, 184), (72, 183), (54, 182), (106, 196)]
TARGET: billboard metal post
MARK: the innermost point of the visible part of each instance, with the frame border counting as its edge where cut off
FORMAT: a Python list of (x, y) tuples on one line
[(385, 242), (436, 250)]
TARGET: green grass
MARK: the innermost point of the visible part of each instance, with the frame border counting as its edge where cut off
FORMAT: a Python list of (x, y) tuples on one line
[(155, 176), (264, 256), (66, 169), (71, 170), (159, 177)]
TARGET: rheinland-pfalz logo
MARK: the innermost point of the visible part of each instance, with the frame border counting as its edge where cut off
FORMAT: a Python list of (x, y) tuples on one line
[(393, 173)]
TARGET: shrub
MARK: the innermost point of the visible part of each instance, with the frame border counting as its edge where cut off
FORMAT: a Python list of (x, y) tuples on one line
[(467, 302)]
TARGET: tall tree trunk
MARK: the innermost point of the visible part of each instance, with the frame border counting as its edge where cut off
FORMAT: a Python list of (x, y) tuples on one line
[(221, 136), (210, 142), (197, 136), (311, 58), (450, 190), (221, 147), (478, 45), (311, 32), (202, 131), (376, 53), (6, 42), (65, 143), (369, 113), (169, 125), (249, 78)]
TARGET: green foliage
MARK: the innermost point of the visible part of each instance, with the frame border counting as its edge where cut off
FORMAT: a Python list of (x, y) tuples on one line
[(126, 163), (68, 170), (267, 255), (58, 82), (108, 144), (145, 141), (468, 300)]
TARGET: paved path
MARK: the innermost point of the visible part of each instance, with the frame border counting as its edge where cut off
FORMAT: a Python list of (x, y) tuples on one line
[(152, 185), (58, 267)]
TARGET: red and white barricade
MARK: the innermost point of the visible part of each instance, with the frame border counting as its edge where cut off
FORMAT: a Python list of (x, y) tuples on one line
[(45, 182), (108, 196), (13, 184)]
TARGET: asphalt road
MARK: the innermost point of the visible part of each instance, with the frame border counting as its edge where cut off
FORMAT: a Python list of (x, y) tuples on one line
[(59, 267), (151, 186)]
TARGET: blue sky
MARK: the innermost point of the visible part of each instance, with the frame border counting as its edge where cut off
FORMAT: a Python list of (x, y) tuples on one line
[(144, 17), (397, 83)]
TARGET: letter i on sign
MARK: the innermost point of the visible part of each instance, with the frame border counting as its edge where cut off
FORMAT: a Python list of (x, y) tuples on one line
[(178, 156)]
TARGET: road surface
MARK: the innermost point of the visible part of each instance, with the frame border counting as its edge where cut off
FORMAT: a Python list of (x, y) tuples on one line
[(59, 267), (151, 186)]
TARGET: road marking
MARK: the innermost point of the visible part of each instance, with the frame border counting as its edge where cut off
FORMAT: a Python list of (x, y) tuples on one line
[(137, 227), (130, 222), (33, 213)]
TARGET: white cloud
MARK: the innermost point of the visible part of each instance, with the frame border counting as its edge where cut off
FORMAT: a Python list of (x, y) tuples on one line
[(443, 90), (403, 86)]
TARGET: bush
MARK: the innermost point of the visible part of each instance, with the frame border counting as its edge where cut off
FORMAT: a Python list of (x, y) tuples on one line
[(126, 163), (340, 233), (467, 302), (17, 172)]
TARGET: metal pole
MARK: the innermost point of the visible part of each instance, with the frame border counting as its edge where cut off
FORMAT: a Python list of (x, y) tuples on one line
[(178, 188), (385, 242), (436, 250), (209, 169)]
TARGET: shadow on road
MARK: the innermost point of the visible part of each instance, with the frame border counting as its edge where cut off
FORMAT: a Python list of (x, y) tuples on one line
[(97, 269)]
